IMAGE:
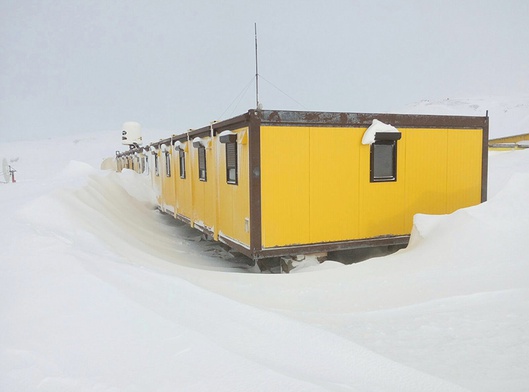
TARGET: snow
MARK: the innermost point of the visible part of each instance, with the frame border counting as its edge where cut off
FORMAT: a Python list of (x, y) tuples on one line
[(509, 115), (178, 145), (204, 142), (377, 126), (226, 133), (100, 292)]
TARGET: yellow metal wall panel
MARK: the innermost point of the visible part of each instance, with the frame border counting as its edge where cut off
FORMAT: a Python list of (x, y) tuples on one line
[(426, 172), (168, 186), (204, 194), (226, 202), (334, 185), (381, 203), (183, 186), (285, 187), (438, 171), (464, 168), (156, 179), (234, 199), (197, 190), (241, 197), (210, 188)]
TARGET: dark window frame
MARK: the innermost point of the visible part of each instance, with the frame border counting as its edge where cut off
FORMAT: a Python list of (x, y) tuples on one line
[(156, 166), (182, 161), (146, 168), (376, 158), (202, 164), (232, 157), (167, 164)]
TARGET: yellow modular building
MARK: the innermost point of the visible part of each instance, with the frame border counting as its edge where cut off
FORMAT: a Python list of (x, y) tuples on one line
[(281, 183)]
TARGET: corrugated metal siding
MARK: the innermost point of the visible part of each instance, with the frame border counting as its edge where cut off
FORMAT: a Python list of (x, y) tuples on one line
[(167, 179), (425, 172), (464, 169), (326, 171), (334, 183), (234, 199), (285, 185), (183, 186)]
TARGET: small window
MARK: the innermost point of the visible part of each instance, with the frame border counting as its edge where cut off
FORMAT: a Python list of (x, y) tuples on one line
[(182, 159), (167, 164), (231, 163), (156, 168), (384, 161), (202, 174), (146, 169)]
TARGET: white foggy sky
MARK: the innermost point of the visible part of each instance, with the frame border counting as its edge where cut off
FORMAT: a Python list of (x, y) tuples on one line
[(76, 66)]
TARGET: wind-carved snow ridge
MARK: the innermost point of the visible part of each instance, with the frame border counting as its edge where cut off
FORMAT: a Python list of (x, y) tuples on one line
[(120, 211)]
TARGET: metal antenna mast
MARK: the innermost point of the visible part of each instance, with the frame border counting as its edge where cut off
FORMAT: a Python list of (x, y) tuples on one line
[(256, 72)]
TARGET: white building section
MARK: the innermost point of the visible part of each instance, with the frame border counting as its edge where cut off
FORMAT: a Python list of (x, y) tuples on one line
[(131, 134)]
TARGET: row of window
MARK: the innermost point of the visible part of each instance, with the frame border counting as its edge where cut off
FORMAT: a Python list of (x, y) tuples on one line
[(129, 163), (231, 164), (383, 162)]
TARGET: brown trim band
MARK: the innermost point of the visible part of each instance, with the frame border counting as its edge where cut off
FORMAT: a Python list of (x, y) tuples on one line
[(331, 246), (485, 160), (182, 218), (254, 146), (279, 117), (235, 246)]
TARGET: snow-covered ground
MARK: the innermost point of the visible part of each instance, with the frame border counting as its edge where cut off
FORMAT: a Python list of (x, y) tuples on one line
[(100, 292), (509, 115)]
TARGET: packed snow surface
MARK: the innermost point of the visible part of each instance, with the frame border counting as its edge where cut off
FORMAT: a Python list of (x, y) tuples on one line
[(100, 292)]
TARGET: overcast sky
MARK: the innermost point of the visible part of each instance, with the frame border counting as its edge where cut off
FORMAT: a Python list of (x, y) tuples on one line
[(71, 66)]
